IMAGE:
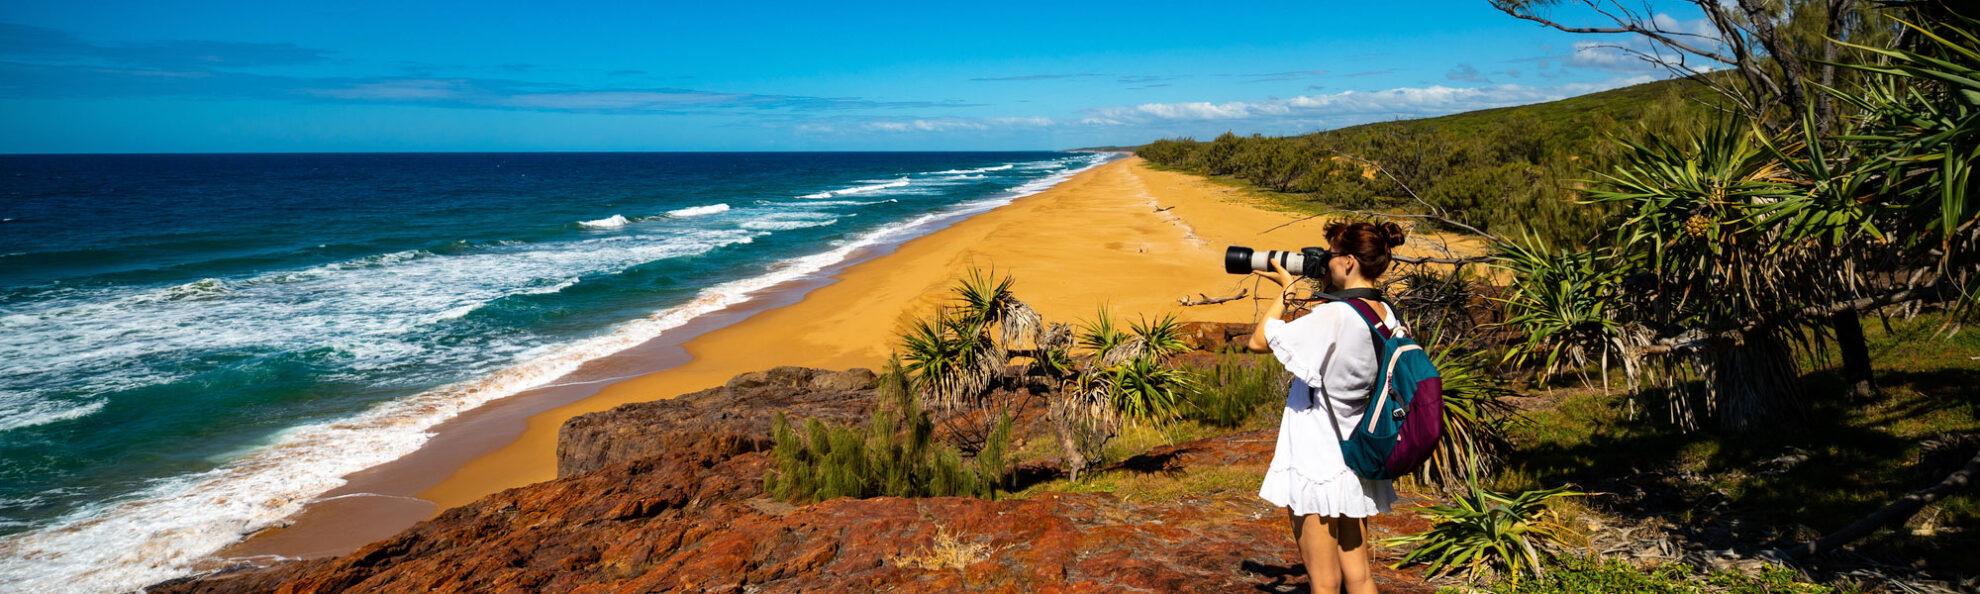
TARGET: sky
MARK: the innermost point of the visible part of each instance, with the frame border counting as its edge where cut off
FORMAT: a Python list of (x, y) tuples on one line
[(361, 76)]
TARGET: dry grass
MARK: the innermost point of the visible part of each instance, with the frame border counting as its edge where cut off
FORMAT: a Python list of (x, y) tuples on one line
[(947, 552)]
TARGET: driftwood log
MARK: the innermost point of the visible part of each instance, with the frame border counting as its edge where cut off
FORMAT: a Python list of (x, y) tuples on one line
[(1205, 299)]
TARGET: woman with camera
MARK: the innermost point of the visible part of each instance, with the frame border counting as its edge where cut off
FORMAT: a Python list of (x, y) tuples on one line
[(1333, 358)]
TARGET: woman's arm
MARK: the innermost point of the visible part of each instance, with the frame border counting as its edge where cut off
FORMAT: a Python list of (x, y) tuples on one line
[(1273, 311)]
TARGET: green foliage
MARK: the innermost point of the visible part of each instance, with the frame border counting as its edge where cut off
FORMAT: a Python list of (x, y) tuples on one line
[(1922, 118), (1102, 337), (1575, 574), (1138, 379), (1235, 389), (1560, 304), (940, 355), (1147, 388), (895, 455), (1474, 410), (1485, 530)]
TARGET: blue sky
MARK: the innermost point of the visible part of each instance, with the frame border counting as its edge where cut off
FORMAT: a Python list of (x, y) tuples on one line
[(511, 76)]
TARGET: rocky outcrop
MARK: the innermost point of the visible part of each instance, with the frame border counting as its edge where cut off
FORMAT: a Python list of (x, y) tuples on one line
[(692, 518), (1215, 336), (729, 420)]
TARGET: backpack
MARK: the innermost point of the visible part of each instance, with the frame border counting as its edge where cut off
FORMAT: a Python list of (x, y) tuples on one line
[(1405, 414)]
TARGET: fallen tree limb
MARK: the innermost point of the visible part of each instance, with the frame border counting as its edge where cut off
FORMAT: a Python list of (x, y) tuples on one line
[(1895, 513), (1205, 299)]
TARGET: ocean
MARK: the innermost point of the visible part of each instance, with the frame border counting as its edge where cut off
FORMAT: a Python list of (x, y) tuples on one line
[(194, 346)]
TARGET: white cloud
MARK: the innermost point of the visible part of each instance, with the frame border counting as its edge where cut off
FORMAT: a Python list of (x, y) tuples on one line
[(947, 124), (1347, 107)]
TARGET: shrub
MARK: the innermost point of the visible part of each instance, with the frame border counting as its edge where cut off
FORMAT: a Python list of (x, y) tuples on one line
[(1485, 530), (895, 454), (1235, 389)]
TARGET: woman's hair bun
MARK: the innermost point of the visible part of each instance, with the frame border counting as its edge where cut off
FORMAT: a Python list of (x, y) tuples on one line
[(1391, 233)]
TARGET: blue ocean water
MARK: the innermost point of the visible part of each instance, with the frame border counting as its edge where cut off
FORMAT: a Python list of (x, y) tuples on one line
[(191, 346)]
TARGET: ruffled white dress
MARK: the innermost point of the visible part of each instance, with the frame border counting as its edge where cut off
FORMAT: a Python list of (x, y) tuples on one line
[(1330, 348)]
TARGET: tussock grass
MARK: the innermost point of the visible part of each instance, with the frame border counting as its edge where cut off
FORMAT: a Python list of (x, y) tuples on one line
[(949, 551)]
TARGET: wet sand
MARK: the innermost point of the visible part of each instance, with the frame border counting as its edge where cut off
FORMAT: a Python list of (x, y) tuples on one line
[(1122, 234)]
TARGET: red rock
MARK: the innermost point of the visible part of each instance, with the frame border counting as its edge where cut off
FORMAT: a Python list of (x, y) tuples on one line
[(693, 519)]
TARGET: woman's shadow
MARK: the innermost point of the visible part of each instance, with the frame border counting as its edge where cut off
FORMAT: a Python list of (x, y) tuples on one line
[(1285, 579)]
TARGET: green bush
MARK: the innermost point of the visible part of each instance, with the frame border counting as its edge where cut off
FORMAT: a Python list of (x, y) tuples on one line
[(1236, 389), (1489, 531), (893, 455)]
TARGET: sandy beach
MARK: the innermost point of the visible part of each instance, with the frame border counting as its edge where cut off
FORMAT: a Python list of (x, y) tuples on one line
[(1122, 234)]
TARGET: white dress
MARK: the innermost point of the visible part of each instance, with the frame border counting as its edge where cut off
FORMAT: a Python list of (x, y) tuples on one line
[(1333, 349)]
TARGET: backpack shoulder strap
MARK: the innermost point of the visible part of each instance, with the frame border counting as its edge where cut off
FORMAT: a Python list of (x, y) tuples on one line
[(1374, 321)]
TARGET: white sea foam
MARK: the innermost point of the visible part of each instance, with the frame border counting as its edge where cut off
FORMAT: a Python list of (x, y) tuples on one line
[(847, 202), (611, 222), (159, 533), (695, 211), (976, 170), (25, 409), (787, 225), (876, 185)]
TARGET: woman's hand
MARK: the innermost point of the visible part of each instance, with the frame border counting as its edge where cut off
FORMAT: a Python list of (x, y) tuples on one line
[(1277, 275)]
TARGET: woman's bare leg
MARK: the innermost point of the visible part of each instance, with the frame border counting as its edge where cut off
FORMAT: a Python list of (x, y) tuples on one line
[(1318, 551), (1351, 534)]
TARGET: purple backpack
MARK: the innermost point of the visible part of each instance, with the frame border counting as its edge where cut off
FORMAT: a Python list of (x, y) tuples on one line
[(1405, 415)]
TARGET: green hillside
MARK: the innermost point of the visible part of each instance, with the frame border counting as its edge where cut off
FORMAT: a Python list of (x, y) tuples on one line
[(1504, 170)]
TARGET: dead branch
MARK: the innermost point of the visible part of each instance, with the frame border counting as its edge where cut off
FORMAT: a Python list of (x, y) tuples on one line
[(1205, 299), (1897, 512)]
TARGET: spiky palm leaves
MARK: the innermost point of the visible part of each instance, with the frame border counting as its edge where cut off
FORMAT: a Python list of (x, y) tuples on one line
[(1142, 384), (1474, 409), (954, 358), (1918, 136), (1485, 530)]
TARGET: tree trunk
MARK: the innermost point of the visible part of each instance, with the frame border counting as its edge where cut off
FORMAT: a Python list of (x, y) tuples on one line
[(1075, 461), (1855, 354), (1755, 382)]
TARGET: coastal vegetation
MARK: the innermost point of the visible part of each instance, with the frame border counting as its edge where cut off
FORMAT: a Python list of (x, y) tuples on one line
[(1714, 265)]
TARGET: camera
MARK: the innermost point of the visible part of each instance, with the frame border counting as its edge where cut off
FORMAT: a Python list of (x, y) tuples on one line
[(1308, 262)]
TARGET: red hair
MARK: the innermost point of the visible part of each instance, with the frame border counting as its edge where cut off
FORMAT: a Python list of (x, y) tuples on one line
[(1369, 243)]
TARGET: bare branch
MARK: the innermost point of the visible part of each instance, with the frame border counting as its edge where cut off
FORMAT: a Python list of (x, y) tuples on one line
[(1205, 299), (1627, 27)]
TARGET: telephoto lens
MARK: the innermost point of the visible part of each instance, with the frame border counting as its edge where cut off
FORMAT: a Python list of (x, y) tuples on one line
[(1308, 262)]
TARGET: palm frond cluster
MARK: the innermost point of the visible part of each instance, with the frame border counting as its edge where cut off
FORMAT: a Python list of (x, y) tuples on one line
[(1484, 532)]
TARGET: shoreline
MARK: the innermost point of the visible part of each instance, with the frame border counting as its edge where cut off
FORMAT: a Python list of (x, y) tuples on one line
[(1137, 239)]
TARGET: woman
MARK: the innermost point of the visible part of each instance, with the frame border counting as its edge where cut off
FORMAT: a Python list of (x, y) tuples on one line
[(1332, 350)]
